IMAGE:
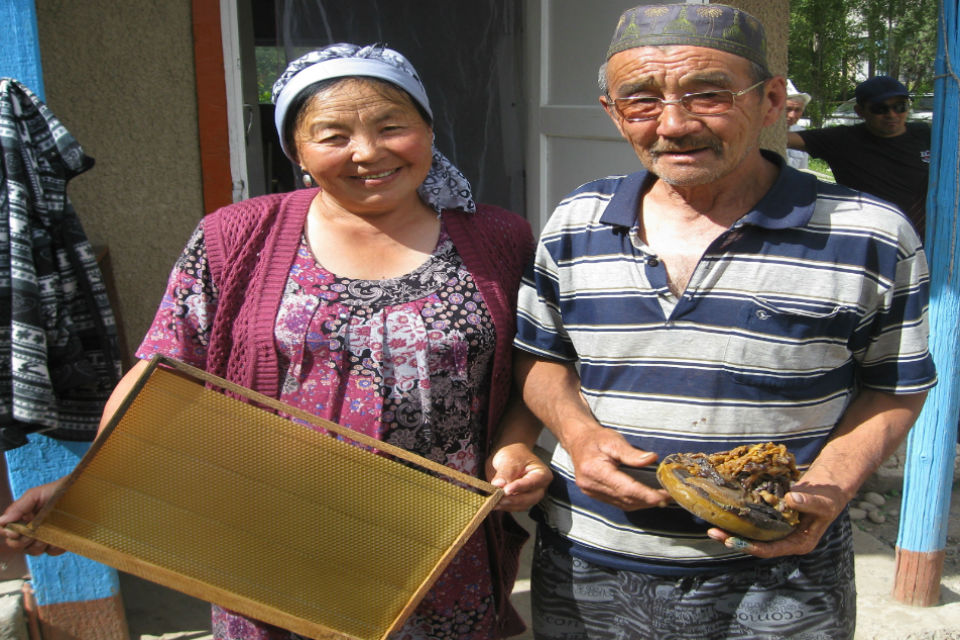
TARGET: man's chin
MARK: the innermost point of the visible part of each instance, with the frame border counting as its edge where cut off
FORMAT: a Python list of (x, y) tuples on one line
[(686, 176)]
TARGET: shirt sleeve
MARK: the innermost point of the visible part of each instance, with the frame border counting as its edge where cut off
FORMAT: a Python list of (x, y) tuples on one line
[(182, 324), (897, 358), (540, 328), (819, 142)]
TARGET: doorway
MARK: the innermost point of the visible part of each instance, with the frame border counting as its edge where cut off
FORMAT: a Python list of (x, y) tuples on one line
[(469, 56)]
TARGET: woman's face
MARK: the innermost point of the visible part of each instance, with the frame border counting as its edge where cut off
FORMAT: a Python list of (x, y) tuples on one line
[(365, 145)]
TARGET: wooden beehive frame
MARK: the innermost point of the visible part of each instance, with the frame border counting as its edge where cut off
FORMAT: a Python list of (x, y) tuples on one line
[(468, 498)]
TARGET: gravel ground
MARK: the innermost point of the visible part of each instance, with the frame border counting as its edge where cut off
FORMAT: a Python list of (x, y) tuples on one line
[(888, 483), (880, 617)]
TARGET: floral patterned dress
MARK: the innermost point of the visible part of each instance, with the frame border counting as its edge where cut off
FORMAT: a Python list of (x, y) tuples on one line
[(405, 360)]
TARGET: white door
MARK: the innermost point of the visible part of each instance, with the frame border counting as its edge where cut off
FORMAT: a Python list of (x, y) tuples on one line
[(243, 116), (570, 140)]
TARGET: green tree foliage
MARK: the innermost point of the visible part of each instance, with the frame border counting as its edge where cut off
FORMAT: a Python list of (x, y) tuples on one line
[(834, 44), (819, 49)]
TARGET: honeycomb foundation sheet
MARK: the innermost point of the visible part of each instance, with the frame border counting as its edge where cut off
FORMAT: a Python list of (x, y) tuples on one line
[(327, 533)]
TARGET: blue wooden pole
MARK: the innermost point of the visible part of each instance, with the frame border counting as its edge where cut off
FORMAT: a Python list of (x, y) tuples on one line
[(928, 474), (20, 53), (75, 597)]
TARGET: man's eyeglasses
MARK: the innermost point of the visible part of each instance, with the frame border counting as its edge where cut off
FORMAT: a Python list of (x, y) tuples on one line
[(704, 103), (880, 108)]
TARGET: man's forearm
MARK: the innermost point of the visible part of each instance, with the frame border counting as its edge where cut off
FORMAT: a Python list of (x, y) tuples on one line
[(552, 392), (872, 428), (870, 431)]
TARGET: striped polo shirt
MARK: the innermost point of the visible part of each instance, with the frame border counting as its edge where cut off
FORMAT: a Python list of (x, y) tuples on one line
[(815, 291)]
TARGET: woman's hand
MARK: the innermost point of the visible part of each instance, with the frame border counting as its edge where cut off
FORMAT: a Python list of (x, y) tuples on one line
[(24, 511), (33, 500), (523, 476)]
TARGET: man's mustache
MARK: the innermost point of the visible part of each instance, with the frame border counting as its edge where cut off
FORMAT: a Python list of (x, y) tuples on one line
[(682, 145)]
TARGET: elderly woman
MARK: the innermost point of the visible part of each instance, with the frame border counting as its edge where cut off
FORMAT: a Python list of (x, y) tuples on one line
[(382, 298)]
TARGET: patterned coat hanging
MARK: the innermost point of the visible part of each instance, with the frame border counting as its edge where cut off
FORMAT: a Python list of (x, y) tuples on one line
[(59, 356)]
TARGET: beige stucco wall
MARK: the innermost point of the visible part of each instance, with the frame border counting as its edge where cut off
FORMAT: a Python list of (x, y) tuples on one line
[(775, 16), (120, 77)]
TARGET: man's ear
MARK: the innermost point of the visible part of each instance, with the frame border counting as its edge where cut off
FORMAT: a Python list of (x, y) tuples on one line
[(775, 93), (858, 110)]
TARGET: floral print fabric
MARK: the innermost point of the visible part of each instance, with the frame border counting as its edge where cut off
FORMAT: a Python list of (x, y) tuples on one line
[(404, 360)]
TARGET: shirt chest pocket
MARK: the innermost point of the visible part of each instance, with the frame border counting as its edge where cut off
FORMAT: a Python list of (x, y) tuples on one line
[(778, 347)]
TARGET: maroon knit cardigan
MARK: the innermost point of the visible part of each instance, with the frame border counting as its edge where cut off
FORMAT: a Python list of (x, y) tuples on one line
[(251, 246)]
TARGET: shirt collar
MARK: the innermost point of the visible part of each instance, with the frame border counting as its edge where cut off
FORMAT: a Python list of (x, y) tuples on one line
[(789, 202)]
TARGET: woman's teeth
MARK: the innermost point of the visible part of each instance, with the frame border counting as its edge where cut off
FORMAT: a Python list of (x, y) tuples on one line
[(375, 176)]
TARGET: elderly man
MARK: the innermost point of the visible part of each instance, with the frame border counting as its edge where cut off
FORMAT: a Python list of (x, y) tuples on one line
[(884, 155), (797, 102), (716, 298)]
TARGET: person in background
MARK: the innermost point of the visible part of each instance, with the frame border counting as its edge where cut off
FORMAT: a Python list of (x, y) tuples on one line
[(797, 102), (714, 299), (884, 155), (385, 298)]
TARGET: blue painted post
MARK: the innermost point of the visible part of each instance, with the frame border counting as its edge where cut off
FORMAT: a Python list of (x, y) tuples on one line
[(928, 474), (75, 597), (20, 54)]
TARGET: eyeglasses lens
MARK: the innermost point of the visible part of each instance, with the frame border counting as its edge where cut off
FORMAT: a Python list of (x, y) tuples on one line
[(706, 103), (880, 109)]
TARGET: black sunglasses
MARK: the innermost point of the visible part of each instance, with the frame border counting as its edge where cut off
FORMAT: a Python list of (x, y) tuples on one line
[(880, 108)]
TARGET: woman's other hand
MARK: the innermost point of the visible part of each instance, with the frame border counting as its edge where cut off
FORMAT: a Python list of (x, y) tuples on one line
[(523, 476), (23, 511)]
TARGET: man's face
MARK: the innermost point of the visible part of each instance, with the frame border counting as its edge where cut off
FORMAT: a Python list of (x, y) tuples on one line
[(681, 148), (794, 111), (885, 119)]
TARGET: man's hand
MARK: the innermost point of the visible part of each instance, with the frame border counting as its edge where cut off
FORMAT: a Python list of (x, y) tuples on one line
[(819, 506), (872, 428), (24, 511), (597, 454), (551, 390), (523, 476)]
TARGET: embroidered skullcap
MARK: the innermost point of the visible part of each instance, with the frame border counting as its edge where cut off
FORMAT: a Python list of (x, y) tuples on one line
[(343, 60), (445, 186), (715, 26)]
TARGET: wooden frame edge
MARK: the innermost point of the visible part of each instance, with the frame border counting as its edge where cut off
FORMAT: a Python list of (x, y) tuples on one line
[(180, 582), (426, 585), (95, 446)]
